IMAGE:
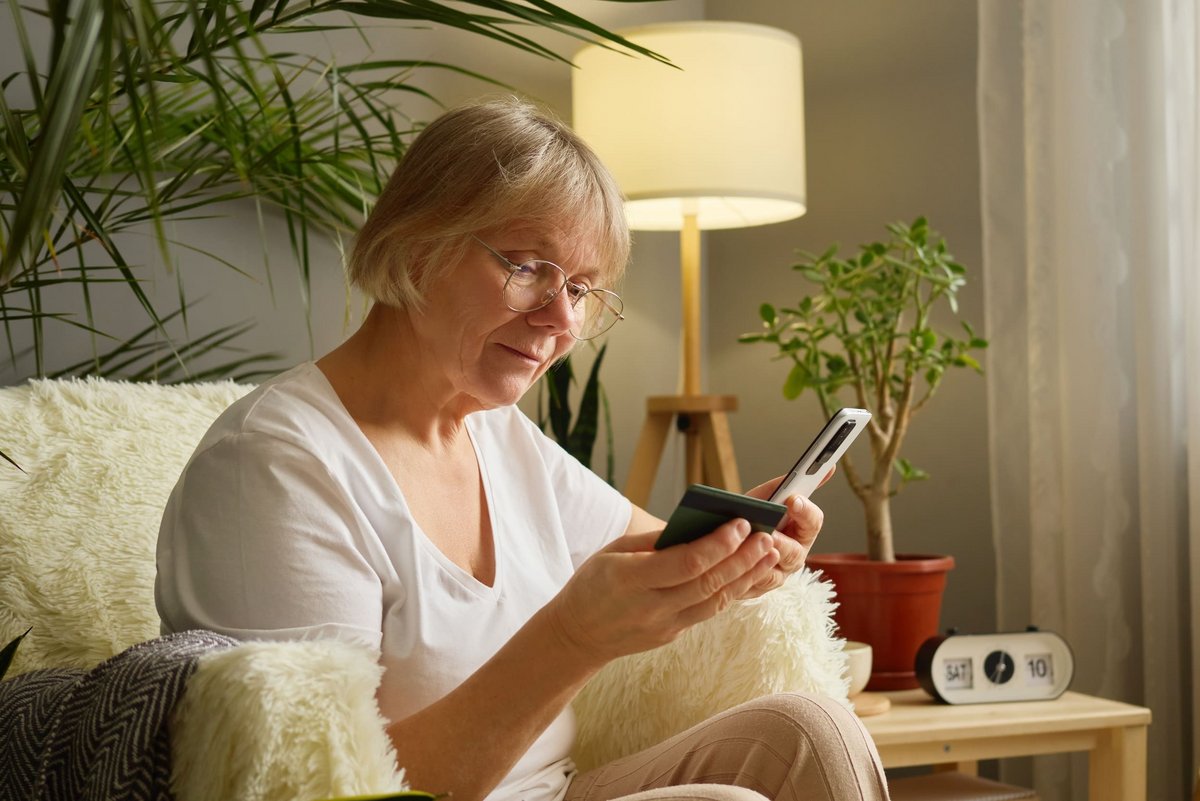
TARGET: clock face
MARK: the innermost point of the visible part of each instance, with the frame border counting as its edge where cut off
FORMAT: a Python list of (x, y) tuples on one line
[(998, 667), (983, 668)]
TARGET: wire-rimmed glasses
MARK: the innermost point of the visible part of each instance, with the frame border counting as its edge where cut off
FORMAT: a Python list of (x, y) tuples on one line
[(534, 285)]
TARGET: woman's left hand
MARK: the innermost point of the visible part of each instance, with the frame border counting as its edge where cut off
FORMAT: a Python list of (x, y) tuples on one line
[(793, 539)]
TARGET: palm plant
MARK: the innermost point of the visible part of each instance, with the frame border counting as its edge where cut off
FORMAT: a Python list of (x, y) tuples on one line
[(142, 113)]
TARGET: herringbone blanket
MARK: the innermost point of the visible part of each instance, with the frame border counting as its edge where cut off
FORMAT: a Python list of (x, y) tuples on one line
[(88, 735)]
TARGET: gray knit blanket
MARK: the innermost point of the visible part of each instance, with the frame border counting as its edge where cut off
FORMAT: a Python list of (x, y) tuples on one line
[(88, 735)]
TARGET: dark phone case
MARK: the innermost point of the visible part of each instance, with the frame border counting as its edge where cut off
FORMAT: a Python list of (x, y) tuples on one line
[(703, 508)]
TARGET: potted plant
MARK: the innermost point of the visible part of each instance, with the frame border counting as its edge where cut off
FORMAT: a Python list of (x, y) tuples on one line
[(865, 336)]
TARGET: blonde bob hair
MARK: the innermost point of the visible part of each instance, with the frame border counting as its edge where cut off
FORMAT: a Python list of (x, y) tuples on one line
[(479, 168)]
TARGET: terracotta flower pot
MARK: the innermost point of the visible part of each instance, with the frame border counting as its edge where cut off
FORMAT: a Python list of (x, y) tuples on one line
[(894, 606)]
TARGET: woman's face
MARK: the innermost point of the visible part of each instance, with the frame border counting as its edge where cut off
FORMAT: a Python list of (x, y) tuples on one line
[(486, 351)]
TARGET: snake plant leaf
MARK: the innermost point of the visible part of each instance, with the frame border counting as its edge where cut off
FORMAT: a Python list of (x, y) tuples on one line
[(582, 440), (610, 463), (10, 651), (554, 410), (8, 459), (558, 388)]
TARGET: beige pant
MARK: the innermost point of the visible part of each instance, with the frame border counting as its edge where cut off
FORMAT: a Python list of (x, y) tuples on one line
[(787, 747)]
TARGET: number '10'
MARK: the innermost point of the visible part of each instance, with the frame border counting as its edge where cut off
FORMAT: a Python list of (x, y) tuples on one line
[(1039, 667)]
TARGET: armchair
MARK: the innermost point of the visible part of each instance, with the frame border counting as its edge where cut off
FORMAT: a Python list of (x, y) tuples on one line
[(297, 720)]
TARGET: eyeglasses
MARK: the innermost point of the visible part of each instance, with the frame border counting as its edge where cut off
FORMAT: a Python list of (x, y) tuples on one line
[(535, 284)]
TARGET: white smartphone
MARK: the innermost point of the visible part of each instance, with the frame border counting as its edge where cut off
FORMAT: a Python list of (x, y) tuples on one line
[(819, 458)]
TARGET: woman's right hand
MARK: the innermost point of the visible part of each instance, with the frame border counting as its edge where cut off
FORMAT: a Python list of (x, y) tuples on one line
[(629, 597)]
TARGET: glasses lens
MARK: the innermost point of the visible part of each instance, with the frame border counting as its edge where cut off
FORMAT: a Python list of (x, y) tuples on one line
[(535, 284), (532, 285), (595, 313)]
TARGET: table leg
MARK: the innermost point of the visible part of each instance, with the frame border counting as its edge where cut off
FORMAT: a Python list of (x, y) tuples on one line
[(1117, 766)]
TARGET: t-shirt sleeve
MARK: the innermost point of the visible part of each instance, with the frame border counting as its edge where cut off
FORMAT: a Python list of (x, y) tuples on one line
[(258, 541), (593, 512)]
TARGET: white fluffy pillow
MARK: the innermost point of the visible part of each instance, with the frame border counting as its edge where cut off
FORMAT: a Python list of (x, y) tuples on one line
[(78, 530), (781, 642), (308, 709)]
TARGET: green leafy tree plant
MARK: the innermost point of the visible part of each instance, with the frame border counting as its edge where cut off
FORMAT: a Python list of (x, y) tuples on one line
[(865, 336)]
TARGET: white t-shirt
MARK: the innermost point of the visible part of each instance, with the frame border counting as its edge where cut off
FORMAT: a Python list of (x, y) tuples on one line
[(287, 525)]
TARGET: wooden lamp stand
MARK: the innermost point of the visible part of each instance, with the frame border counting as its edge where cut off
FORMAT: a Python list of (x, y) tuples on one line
[(702, 418)]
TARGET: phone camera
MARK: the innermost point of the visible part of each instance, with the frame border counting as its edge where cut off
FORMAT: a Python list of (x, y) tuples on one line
[(828, 451)]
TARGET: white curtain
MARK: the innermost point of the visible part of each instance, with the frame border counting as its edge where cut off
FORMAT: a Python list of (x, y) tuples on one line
[(1089, 144)]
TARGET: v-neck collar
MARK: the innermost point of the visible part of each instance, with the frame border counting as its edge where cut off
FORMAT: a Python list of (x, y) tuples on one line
[(461, 575)]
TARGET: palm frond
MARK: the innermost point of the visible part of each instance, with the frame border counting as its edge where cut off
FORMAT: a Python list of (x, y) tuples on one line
[(145, 357), (140, 114)]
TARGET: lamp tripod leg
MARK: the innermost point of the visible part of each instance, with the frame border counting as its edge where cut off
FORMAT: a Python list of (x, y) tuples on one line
[(693, 448), (647, 456), (720, 465), (708, 444)]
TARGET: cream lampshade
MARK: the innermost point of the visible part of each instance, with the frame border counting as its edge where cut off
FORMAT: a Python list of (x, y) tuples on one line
[(717, 141), (721, 137)]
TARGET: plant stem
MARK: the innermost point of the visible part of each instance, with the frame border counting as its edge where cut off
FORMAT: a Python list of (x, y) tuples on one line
[(879, 527)]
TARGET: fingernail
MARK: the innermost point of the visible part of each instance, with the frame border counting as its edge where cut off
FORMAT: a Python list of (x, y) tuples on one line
[(798, 503), (743, 528)]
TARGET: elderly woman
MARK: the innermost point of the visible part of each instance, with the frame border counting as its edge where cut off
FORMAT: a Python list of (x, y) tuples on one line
[(391, 494)]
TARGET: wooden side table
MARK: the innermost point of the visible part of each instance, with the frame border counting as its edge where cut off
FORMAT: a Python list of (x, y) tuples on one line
[(919, 731)]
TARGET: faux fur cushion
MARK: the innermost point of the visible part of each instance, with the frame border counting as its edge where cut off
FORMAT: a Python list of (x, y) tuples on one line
[(781, 642), (78, 531), (309, 710)]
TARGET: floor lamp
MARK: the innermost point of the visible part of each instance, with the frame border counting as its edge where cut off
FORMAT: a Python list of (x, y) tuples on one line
[(715, 141)]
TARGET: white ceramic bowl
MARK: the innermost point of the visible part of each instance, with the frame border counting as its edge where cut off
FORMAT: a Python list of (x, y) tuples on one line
[(858, 665)]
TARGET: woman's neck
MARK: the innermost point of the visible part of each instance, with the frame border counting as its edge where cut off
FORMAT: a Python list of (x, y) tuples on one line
[(387, 384)]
